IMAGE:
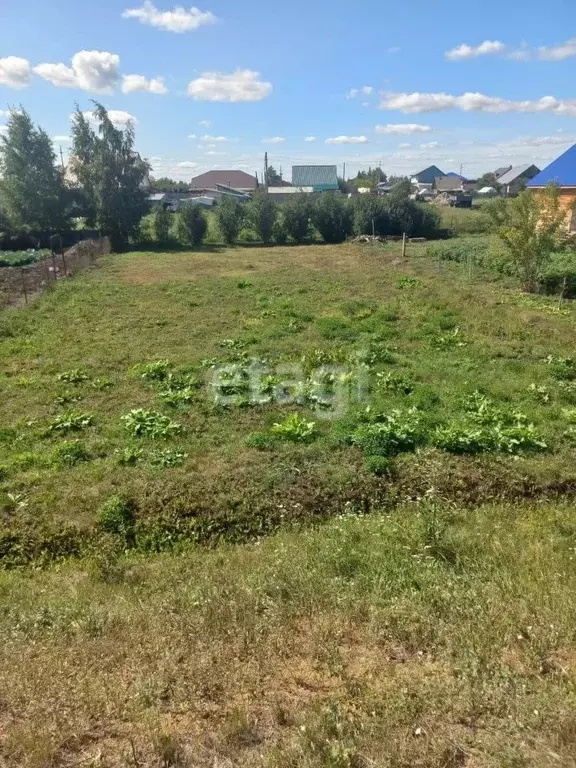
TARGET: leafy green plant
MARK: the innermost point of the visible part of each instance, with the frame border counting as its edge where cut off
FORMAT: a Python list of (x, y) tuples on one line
[(260, 441), (75, 376), (72, 421), (158, 370), (390, 434), (128, 456), (143, 423), (378, 465), (167, 458), (562, 368), (70, 453), (408, 282), (395, 382), (102, 384), (540, 393), (66, 398), (295, 428), (116, 516)]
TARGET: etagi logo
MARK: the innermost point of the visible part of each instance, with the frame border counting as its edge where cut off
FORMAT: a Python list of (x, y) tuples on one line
[(330, 390)]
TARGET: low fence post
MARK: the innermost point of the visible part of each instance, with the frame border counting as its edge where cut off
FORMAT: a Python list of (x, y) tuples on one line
[(404, 245), (24, 290)]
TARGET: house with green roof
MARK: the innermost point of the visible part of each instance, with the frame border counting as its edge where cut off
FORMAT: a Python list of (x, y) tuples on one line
[(322, 178)]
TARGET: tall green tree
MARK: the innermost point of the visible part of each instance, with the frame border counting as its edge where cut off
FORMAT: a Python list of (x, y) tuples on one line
[(165, 184), (31, 188), (273, 178), (230, 214), (262, 212), (111, 175), (333, 217), (297, 212)]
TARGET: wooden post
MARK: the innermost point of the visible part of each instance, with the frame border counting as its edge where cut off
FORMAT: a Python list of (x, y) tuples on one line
[(64, 263), (54, 265), (404, 245), (24, 291)]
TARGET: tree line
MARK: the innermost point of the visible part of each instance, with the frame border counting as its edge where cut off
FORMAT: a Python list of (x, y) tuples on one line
[(300, 219), (103, 183)]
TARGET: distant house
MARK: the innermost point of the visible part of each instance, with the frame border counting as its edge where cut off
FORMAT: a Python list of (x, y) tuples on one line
[(562, 173), (281, 194), (238, 180), (427, 176), (513, 181), (322, 178), (501, 171), (449, 183)]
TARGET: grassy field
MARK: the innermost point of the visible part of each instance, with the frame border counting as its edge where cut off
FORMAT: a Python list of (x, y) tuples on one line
[(437, 631)]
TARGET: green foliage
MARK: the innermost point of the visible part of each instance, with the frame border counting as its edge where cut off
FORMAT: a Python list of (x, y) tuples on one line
[(261, 213), (562, 368), (193, 223), (273, 178), (31, 186), (295, 428), (531, 227), (73, 421), (394, 214), (110, 175), (165, 184), (389, 434), (159, 370), (369, 178), (143, 423), (74, 376), (168, 457), (559, 275), (70, 453), (129, 456), (116, 516), (21, 258), (260, 441), (230, 214), (279, 231), (333, 217), (161, 223), (395, 382), (378, 465), (296, 213)]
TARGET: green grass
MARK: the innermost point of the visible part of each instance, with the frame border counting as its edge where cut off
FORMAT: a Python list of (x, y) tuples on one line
[(436, 631), (121, 359), (432, 636)]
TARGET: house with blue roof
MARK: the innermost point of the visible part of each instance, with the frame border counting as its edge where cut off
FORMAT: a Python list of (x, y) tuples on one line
[(562, 173)]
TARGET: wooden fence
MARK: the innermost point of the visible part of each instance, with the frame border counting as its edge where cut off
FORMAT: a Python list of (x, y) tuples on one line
[(20, 285)]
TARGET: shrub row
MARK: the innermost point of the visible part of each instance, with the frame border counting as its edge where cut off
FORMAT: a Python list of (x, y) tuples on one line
[(300, 219)]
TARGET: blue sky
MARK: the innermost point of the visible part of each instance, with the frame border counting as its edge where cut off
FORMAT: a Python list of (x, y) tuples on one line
[(406, 83)]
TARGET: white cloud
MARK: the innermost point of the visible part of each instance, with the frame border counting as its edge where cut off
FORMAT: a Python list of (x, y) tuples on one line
[(177, 20), (91, 71), (242, 85), (365, 90), (216, 154), (402, 129), (464, 51), (192, 136), (404, 146), (310, 138), (3, 129), (274, 140), (140, 84), (118, 117), (14, 72), (558, 52), (430, 145), (347, 140), (187, 164), (417, 103), (393, 49), (216, 139), (61, 139), (205, 123)]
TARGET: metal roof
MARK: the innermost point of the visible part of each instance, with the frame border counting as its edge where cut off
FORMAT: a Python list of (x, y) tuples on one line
[(236, 179), (561, 171), (157, 197), (501, 171), (448, 183), (321, 177), (514, 173), (289, 190), (428, 174)]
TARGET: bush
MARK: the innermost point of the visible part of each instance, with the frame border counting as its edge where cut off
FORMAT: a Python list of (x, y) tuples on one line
[(230, 215), (333, 218), (116, 516), (192, 224), (279, 232), (560, 275), (297, 217), (261, 213), (371, 215), (393, 433), (21, 258), (161, 222)]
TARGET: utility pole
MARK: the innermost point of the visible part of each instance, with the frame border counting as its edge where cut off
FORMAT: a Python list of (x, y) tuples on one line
[(61, 158), (266, 169), (344, 171)]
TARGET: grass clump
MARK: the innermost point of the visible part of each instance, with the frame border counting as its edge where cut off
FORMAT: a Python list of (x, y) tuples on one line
[(116, 516), (143, 423), (295, 428)]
